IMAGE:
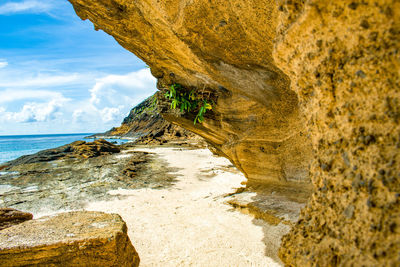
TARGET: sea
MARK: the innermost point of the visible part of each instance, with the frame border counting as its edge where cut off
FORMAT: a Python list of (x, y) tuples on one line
[(15, 146)]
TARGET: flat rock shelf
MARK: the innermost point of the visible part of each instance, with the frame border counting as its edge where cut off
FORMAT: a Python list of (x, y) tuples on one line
[(79, 238)]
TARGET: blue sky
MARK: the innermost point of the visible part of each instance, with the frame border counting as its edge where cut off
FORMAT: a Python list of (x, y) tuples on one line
[(59, 75)]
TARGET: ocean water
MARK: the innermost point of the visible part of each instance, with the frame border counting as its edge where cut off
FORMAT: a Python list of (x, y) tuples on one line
[(12, 147)]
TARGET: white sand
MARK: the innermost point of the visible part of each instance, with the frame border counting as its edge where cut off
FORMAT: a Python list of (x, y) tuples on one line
[(189, 224)]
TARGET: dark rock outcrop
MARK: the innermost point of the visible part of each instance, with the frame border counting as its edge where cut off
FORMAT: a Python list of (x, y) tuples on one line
[(10, 217), (145, 123), (69, 239), (77, 149), (71, 182)]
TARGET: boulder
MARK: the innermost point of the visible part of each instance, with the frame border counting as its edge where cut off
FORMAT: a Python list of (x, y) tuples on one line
[(93, 149), (78, 238), (77, 149), (10, 217)]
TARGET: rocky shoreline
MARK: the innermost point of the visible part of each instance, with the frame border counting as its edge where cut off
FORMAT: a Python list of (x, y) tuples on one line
[(145, 184), (65, 178)]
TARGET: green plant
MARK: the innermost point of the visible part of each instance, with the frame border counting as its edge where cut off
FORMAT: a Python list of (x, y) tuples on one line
[(154, 103), (149, 105), (203, 108), (187, 101)]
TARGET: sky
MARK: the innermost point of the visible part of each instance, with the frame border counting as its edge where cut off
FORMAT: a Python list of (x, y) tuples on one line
[(59, 75)]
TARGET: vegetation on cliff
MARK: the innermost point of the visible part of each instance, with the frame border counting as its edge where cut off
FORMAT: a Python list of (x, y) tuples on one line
[(188, 101), (145, 123)]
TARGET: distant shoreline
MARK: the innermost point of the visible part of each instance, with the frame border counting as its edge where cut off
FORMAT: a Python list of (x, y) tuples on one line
[(110, 137), (31, 135), (15, 146)]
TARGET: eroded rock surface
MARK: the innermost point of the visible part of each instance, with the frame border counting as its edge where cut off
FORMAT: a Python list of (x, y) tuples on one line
[(10, 217), (71, 181), (284, 75), (75, 150), (343, 60), (224, 49), (79, 238)]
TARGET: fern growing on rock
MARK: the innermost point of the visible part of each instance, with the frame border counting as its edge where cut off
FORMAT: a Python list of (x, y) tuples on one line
[(188, 101)]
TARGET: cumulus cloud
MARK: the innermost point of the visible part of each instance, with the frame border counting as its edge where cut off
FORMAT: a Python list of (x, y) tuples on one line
[(3, 64), (42, 106), (114, 95), (35, 112), (27, 6), (7, 96), (41, 80), (110, 114), (77, 116), (114, 88), (106, 103)]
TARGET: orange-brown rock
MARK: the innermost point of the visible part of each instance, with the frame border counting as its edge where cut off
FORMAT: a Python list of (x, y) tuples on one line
[(93, 149), (286, 76), (224, 48), (68, 239), (10, 217), (77, 149), (343, 59)]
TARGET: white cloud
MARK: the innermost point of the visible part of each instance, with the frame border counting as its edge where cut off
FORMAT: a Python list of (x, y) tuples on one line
[(77, 115), (27, 6), (108, 102), (114, 88), (47, 110), (36, 112), (41, 80), (110, 114), (114, 95), (9, 95), (3, 64)]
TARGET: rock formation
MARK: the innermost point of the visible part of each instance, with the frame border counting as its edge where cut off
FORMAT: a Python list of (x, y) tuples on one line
[(224, 49), (77, 149), (68, 239), (10, 217), (343, 61), (287, 77), (145, 123), (38, 186)]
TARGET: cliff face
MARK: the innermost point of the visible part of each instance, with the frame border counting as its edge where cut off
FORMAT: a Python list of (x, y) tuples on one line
[(343, 61), (288, 77), (224, 48), (145, 123)]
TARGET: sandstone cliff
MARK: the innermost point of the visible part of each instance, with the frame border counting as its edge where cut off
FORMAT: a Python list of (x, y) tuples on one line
[(223, 48), (287, 77), (343, 61)]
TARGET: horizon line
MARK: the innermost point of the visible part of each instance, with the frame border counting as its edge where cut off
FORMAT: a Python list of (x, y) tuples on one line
[(43, 134)]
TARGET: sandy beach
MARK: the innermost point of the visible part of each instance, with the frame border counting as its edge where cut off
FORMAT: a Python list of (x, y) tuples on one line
[(190, 224), (181, 204)]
